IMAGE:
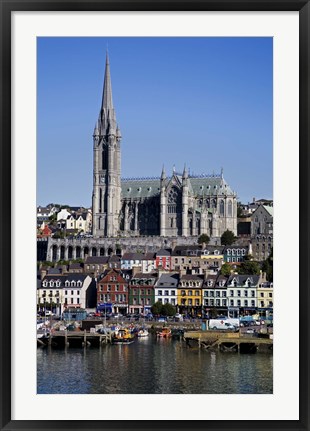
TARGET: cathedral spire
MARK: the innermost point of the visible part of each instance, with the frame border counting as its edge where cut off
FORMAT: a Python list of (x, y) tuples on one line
[(107, 102)]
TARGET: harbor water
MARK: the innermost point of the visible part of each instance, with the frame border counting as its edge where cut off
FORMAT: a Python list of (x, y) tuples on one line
[(152, 366)]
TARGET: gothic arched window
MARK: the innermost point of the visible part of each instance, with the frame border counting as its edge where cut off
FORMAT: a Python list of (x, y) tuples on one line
[(229, 208), (222, 207)]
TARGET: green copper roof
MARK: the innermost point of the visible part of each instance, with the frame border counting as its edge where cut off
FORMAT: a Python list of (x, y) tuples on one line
[(202, 186)]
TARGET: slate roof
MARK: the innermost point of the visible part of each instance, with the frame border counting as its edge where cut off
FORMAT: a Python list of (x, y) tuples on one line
[(269, 209), (63, 278), (163, 252), (168, 280), (204, 185), (132, 256), (97, 260), (241, 279), (148, 256)]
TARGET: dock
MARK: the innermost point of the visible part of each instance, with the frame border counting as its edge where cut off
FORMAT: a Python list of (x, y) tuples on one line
[(229, 341), (75, 339)]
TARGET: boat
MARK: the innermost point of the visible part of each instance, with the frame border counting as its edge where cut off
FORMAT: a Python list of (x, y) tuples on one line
[(123, 336), (164, 333), (143, 333)]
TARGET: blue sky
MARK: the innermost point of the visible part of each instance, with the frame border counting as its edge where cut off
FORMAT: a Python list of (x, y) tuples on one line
[(206, 102)]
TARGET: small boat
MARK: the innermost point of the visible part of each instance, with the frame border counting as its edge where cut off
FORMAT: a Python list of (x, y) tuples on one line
[(164, 333), (123, 336), (143, 333)]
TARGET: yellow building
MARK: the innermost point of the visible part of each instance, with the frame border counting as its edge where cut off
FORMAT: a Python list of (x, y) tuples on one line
[(190, 295), (265, 298)]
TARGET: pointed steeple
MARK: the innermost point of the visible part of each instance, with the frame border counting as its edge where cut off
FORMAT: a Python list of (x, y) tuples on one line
[(107, 118), (185, 174), (107, 102), (163, 173)]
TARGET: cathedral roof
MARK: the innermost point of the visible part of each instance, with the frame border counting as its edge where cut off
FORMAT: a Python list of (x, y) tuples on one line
[(201, 185)]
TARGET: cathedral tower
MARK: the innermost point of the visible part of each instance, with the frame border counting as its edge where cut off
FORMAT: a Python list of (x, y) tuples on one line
[(107, 166)]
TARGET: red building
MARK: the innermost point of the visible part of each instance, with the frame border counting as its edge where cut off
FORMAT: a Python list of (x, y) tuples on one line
[(112, 292), (163, 259)]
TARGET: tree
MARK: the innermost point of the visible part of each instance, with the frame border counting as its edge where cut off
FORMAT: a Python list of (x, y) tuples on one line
[(228, 238), (168, 310), (267, 266), (249, 268), (204, 238), (156, 308), (226, 269)]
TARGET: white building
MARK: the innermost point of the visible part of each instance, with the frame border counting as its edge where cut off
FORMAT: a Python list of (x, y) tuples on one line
[(166, 288)]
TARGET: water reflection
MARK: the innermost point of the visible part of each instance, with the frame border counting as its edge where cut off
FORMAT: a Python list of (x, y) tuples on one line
[(152, 366)]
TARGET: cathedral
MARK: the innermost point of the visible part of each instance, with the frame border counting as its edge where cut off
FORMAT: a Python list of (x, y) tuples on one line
[(172, 205)]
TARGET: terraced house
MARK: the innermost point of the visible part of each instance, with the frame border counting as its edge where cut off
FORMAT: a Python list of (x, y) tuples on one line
[(166, 288), (242, 292), (112, 292), (190, 295), (214, 293), (141, 293), (58, 291)]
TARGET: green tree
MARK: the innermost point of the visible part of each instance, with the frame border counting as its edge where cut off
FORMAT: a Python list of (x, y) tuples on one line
[(239, 210), (249, 267), (157, 307), (228, 238), (168, 310), (267, 266), (226, 269), (204, 238)]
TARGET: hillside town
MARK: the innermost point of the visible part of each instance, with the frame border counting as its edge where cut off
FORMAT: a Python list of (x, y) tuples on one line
[(230, 275)]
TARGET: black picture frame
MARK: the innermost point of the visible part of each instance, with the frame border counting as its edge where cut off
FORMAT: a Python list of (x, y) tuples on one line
[(7, 7)]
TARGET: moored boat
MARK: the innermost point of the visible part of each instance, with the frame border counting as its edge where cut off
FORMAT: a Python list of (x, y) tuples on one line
[(143, 333), (164, 333), (123, 336)]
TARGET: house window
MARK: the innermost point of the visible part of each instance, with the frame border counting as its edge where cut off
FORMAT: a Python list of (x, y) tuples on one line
[(270, 295), (166, 292), (78, 300), (217, 293), (206, 302), (72, 292), (245, 302), (71, 300), (196, 302), (190, 292), (218, 303), (252, 303), (197, 293), (66, 292), (239, 292), (212, 294), (224, 302), (224, 294), (160, 292), (246, 293), (239, 303), (231, 293), (172, 301), (231, 302), (253, 293), (262, 294), (206, 293), (172, 292)]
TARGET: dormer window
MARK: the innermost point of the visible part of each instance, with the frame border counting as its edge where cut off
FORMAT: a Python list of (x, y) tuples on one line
[(73, 284), (67, 283), (209, 283), (58, 283), (79, 283), (51, 283), (216, 252), (44, 284), (228, 252)]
